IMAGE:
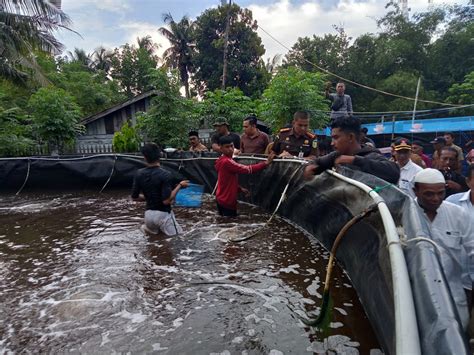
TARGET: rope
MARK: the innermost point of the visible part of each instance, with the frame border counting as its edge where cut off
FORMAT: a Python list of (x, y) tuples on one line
[(26, 178), (282, 197), (355, 83), (110, 176), (332, 257)]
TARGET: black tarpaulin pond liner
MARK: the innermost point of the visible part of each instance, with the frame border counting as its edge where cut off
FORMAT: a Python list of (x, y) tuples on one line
[(321, 207)]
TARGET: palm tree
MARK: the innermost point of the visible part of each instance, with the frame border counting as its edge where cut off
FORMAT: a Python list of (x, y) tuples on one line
[(272, 64), (102, 59), (80, 56), (179, 55), (147, 44), (27, 26)]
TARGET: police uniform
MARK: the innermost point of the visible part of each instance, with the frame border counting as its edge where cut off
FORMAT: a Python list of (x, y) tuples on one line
[(304, 145)]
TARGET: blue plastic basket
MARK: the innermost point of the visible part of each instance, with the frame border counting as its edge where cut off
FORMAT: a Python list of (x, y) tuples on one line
[(190, 196)]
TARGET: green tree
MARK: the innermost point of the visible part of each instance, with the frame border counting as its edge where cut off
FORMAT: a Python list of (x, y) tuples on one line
[(126, 140), (245, 70), (27, 26), (55, 117), (463, 94), (179, 55), (329, 52), (170, 116), (231, 104), (15, 132), (131, 66), (403, 83), (291, 90), (102, 59)]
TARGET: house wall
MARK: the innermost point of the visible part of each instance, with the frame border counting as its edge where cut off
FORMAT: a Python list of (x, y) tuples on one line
[(99, 131)]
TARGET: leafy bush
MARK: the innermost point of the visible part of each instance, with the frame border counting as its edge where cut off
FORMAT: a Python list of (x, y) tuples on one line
[(15, 133), (126, 140)]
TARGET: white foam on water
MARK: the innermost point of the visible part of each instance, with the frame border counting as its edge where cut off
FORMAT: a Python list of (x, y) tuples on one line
[(224, 352), (340, 310), (275, 352), (335, 325), (237, 340), (313, 288), (158, 347), (291, 269), (133, 317)]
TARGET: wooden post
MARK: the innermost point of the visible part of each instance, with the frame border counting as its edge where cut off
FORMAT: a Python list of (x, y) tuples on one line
[(226, 45)]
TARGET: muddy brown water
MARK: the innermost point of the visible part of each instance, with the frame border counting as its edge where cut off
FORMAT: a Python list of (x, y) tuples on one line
[(77, 275)]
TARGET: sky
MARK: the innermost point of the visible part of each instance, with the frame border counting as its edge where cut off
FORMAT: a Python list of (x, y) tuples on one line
[(112, 23)]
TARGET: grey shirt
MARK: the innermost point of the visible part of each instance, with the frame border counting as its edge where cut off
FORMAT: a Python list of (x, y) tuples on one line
[(345, 109)]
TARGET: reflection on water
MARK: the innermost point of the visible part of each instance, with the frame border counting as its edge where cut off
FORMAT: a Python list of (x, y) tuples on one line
[(77, 274)]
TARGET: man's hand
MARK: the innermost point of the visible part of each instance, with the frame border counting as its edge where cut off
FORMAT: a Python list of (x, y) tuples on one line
[(344, 159), (310, 171), (270, 158), (245, 191), (453, 185), (236, 152), (184, 183), (285, 154)]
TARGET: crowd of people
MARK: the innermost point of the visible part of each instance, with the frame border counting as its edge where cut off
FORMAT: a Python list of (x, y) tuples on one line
[(443, 196)]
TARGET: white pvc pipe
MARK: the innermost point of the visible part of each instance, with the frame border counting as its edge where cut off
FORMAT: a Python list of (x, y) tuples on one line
[(407, 340)]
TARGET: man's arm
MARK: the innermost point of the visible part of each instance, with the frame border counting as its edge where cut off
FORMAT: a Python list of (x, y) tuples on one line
[(215, 143), (349, 105), (379, 166), (236, 168), (136, 195), (174, 192), (467, 225)]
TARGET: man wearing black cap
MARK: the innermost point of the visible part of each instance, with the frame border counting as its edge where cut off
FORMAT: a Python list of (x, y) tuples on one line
[(438, 144), (222, 130), (195, 144), (408, 169)]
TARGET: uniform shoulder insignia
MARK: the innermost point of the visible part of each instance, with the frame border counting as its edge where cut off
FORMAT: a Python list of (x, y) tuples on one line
[(285, 130), (310, 135)]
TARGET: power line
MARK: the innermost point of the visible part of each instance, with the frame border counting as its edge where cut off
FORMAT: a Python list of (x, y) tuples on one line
[(353, 82)]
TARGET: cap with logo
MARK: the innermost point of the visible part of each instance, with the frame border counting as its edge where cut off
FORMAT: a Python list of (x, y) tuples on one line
[(402, 144)]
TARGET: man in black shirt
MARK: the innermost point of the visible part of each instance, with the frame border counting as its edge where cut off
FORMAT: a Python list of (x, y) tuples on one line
[(449, 164), (222, 130), (345, 134), (153, 185)]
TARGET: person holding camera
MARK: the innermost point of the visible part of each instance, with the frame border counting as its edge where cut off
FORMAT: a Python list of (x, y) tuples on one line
[(449, 165)]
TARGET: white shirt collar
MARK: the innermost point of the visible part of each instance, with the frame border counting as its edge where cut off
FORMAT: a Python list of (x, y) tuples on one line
[(466, 196)]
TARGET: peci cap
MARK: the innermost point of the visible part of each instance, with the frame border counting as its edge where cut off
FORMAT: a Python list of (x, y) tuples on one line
[(429, 176), (438, 140), (193, 134), (221, 121), (401, 144)]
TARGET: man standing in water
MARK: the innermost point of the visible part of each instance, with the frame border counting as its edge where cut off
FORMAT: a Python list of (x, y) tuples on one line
[(153, 185), (228, 171)]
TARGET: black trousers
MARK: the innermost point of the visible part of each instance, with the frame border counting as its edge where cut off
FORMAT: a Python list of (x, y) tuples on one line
[(226, 212)]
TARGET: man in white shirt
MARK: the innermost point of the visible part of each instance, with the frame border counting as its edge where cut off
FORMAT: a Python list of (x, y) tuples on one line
[(408, 169), (466, 199), (451, 228)]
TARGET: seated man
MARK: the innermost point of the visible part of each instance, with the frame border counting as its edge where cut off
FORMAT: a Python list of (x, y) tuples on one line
[(253, 141), (153, 185), (228, 171), (453, 230), (296, 141), (345, 133), (195, 144), (449, 165)]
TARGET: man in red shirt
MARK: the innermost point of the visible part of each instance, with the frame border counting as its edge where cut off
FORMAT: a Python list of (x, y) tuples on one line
[(228, 171)]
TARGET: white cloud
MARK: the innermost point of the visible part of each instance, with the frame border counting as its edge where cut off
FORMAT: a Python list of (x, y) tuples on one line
[(117, 6), (140, 29), (287, 21)]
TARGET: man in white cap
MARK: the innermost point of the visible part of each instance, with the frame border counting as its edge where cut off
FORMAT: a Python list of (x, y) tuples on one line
[(451, 228)]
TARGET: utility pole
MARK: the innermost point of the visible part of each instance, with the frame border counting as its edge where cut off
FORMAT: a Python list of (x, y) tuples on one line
[(226, 44)]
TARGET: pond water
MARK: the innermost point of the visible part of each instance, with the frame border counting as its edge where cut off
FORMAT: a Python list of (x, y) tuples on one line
[(77, 275)]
